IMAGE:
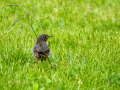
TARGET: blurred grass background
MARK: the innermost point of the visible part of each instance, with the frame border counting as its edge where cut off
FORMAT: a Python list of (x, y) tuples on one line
[(85, 45)]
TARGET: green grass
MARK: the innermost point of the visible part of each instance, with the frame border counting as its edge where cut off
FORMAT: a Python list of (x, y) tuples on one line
[(85, 45)]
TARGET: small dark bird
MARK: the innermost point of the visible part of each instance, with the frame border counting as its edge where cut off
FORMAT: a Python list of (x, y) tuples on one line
[(41, 49)]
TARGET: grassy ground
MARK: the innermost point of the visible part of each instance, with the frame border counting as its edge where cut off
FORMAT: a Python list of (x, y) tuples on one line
[(85, 45)]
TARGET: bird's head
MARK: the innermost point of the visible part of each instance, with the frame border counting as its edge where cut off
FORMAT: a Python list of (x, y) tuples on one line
[(43, 37)]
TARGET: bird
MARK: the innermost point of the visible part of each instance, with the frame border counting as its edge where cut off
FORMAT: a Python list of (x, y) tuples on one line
[(41, 50)]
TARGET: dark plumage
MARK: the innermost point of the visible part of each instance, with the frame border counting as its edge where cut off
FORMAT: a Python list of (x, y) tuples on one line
[(41, 49)]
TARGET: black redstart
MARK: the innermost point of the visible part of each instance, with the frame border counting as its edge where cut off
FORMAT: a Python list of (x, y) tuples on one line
[(41, 49)]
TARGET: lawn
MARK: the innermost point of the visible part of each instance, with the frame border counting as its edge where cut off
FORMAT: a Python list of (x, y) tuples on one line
[(85, 47)]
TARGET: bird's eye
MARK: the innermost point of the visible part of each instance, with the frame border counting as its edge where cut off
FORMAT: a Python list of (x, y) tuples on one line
[(45, 36)]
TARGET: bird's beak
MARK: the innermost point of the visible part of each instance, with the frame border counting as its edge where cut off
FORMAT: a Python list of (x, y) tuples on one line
[(49, 36)]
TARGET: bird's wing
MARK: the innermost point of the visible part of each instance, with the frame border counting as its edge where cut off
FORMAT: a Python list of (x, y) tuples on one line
[(38, 47), (46, 48)]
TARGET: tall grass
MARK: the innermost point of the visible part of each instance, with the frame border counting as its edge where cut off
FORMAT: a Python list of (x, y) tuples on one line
[(85, 53)]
